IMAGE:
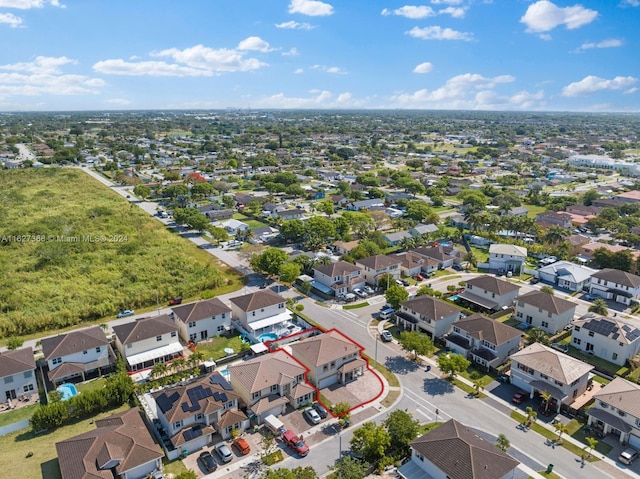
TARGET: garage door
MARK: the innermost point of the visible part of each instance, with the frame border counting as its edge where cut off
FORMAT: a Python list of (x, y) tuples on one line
[(634, 441)]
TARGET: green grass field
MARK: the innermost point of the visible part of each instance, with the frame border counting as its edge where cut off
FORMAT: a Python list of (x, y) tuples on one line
[(214, 349), (73, 251)]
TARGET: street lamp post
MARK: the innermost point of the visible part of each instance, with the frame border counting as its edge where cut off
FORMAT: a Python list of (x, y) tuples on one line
[(375, 365)]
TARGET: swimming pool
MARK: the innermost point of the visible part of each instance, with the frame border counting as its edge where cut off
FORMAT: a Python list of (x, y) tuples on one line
[(454, 297), (67, 390), (446, 244), (267, 337)]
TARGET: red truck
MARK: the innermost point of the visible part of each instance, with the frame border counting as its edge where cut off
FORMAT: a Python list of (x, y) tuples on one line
[(296, 443), (176, 300)]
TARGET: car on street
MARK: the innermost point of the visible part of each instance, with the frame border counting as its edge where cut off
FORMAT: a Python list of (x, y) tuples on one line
[(295, 442), (242, 446), (312, 415), (386, 336), (519, 397), (125, 313), (457, 267), (208, 462), (321, 410), (628, 456), (224, 452), (589, 297), (534, 280), (176, 300)]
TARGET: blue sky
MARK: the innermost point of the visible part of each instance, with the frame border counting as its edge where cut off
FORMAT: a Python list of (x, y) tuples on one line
[(431, 54)]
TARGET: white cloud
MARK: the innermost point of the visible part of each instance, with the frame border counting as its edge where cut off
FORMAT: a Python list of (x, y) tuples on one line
[(455, 12), (119, 101), (213, 60), (446, 2), (544, 16), (439, 33), (28, 4), (291, 25), (254, 43), (425, 67), (333, 70), (40, 65), (10, 19), (609, 43), (317, 99), (545, 36), (312, 8), (631, 90), (592, 84), (151, 68), (299, 71), (630, 3), (414, 12), (291, 53)]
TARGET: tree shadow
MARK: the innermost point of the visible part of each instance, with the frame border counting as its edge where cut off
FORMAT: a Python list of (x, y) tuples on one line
[(438, 387), (400, 365)]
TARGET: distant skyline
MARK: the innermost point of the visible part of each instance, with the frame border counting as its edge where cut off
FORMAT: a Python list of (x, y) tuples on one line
[(518, 55)]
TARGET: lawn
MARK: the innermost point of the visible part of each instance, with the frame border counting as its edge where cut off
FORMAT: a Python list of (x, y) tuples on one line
[(482, 255), (214, 349), (43, 462), (174, 467), (356, 305), (91, 385), (601, 364), (254, 223), (534, 209), (17, 415), (85, 253)]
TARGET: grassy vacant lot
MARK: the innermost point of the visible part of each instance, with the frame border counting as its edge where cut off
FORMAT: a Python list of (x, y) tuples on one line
[(43, 462), (85, 253), (214, 348)]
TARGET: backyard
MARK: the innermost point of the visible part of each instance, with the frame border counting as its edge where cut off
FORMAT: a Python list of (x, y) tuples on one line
[(215, 347)]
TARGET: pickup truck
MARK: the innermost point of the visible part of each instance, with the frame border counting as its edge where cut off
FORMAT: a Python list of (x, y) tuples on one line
[(176, 300), (296, 443)]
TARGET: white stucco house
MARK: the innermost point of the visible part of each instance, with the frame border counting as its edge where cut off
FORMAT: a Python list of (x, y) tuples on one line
[(616, 285), (261, 311), (567, 275), (616, 410), (428, 314), (606, 338), (490, 293), (373, 267), (341, 277), (507, 257), (202, 320), (545, 311), (17, 374)]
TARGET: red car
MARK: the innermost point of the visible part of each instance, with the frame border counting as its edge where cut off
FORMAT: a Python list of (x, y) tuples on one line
[(176, 300), (519, 397), (418, 277), (296, 443)]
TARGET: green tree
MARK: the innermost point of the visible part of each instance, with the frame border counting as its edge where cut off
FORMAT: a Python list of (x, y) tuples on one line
[(531, 414), (537, 335), (14, 342), (555, 234), (560, 428), (402, 429), (292, 230), (503, 443), (142, 191), (386, 281), (228, 201), (297, 473), (599, 306), (269, 261), (547, 289), (592, 442), (218, 234), (349, 468), (546, 398), (416, 343), (452, 363), (418, 210), (326, 206), (318, 231), (589, 196), (371, 441), (289, 271), (341, 410), (396, 295)]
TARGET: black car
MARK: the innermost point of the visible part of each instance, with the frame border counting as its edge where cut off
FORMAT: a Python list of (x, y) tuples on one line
[(321, 410), (405, 282), (208, 461)]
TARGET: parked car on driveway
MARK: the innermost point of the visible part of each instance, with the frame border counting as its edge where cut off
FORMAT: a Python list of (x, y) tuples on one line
[(321, 410), (224, 452), (519, 397), (368, 289), (360, 293), (312, 415), (208, 462), (628, 456), (242, 446), (125, 313)]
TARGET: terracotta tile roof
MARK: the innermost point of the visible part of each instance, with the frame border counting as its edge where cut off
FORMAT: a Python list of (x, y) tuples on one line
[(487, 329), (231, 417), (552, 363), (73, 342), (459, 452), (144, 328), (16, 361), (258, 300), (430, 307), (493, 284), (265, 371), (268, 403), (323, 348), (546, 302), (208, 308), (122, 438)]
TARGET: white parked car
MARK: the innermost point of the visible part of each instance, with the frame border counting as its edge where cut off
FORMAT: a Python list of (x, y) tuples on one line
[(360, 293), (368, 289), (312, 415)]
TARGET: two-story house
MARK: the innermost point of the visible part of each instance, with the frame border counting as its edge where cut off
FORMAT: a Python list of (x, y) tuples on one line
[(330, 357), (341, 277), (538, 368), (120, 447), (268, 383), (606, 338), (190, 414), (413, 264), (483, 340), (428, 314), (202, 320), (79, 354), (444, 255), (567, 275), (619, 286), (373, 267), (148, 341), (545, 311), (507, 257), (616, 410), (490, 293), (17, 374), (554, 218), (259, 312)]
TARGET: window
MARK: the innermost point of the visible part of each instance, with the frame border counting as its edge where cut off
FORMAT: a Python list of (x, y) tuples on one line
[(614, 356), (173, 334), (8, 380), (603, 405), (519, 314), (27, 387), (158, 338), (591, 333), (56, 360), (85, 351), (193, 337), (224, 315), (281, 306), (545, 324), (255, 395), (333, 364), (529, 318), (177, 424), (544, 376), (469, 286), (253, 313), (325, 367), (192, 324), (220, 328), (621, 413), (98, 349), (576, 328), (577, 341), (28, 374), (199, 416), (129, 346), (493, 295), (274, 388)]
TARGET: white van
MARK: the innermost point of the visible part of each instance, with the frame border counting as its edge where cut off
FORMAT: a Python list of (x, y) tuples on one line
[(274, 425), (387, 313)]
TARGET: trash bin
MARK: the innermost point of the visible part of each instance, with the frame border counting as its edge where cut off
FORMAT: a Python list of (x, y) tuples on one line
[(549, 468), (428, 368)]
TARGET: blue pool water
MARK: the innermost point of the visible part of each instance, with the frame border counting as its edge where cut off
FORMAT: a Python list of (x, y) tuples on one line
[(446, 244), (67, 390), (267, 337), (454, 297), (225, 373)]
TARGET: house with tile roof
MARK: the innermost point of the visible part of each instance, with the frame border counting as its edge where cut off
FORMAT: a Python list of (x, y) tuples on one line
[(373, 267), (483, 340), (83, 354), (567, 275), (202, 320), (413, 264), (616, 410), (539, 368), (120, 446), (454, 450), (607, 338), (148, 341), (616, 285), (545, 311), (331, 358), (507, 257), (444, 255), (259, 312), (341, 277), (17, 374), (267, 384), (192, 414), (489, 292), (427, 314)]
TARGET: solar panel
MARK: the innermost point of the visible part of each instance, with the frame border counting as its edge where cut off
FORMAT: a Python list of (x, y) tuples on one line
[(185, 407), (163, 403), (192, 433), (216, 396), (223, 397), (218, 379)]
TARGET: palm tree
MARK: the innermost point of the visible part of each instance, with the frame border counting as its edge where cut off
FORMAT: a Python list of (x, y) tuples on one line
[(503, 443), (531, 415), (555, 235), (471, 259), (537, 335), (599, 306), (178, 364), (478, 386), (546, 397), (196, 358), (592, 442), (159, 369), (560, 429)]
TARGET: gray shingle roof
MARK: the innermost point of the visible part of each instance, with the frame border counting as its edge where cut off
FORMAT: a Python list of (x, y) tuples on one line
[(622, 394), (323, 348), (257, 300), (339, 268), (200, 310), (378, 261), (483, 328), (16, 361), (493, 284), (265, 371), (618, 277), (73, 342), (430, 307), (546, 302), (144, 328), (552, 363)]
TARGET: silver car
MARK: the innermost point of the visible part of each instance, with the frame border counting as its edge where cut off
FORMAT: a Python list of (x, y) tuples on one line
[(312, 415), (628, 456), (224, 452)]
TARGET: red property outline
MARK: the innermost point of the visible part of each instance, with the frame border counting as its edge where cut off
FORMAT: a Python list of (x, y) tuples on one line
[(306, 332)]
